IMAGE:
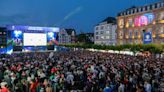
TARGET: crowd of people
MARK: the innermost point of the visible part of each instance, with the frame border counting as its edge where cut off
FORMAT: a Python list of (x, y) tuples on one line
[(80, 71)]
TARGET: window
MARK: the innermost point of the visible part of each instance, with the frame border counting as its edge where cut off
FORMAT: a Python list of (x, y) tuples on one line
[(130, 22), (148, 8), (161, 16), (132, 11), (102, 27), (143, 8), (162, 4), (139, 9), (97, 33), (124, 13), (121, 34), (162, 30), (107, 32), (102, 37), (107, 37), (150, 18), (102, 32), (97, 37), (136, 33), (121, 23), (130, 34), (135, 10), (97, 28), (155, 5), (159, 5)]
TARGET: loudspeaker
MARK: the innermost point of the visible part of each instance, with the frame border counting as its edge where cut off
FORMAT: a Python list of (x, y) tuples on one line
[(17, 48), (50, 47)]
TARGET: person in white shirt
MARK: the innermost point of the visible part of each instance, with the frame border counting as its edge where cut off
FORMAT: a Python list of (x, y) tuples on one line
[(121, 88), (147, 87)]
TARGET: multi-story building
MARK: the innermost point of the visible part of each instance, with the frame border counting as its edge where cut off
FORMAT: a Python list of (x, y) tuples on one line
[(3, 37), (67, 36), (105, 32), (134, 22)]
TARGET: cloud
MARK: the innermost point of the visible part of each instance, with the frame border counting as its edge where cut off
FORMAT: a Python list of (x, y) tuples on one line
[(71, 14)]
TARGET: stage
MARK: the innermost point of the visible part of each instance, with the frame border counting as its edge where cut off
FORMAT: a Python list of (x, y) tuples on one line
[(31, 38)]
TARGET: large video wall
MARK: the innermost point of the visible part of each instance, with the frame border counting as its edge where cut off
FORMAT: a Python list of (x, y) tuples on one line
[(34, 39), (29, 36)]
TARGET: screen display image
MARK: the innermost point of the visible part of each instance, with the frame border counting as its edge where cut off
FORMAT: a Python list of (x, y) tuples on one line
[(35, 39), (17, 38)]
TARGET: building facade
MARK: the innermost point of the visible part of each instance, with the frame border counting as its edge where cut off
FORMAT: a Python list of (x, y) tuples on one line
[(67, 36), (105, 32), (134, 22), (3, 37)]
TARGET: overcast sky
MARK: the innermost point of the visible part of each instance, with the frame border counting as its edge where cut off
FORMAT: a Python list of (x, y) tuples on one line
[(79, 14)]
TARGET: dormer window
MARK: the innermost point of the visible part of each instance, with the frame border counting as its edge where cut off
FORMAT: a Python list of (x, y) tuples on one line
[(127, 12), (135, 10), (159, 5), (139, 10), (143, 9), (153, 6)]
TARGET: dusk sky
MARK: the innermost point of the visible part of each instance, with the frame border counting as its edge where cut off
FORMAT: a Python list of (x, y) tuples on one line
[(82, 15)]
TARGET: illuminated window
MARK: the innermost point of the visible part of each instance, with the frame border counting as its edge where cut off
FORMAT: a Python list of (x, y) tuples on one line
[(127, 24), (121, 23), (121, 34), (107, 37), (161, 16), (102, 37), (162, 30), (130, 22), (143, 20), (150, 18)]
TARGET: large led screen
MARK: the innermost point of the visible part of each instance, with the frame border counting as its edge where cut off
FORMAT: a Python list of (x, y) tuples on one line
[(35, 39)]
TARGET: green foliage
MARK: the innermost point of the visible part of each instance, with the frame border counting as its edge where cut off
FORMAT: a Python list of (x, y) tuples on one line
[(153, 48)]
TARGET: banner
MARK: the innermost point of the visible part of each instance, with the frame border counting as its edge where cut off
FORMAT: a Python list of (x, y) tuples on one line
[(147, 38)]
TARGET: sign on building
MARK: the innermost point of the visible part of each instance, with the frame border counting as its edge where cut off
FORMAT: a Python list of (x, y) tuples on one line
[(147, 37)]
